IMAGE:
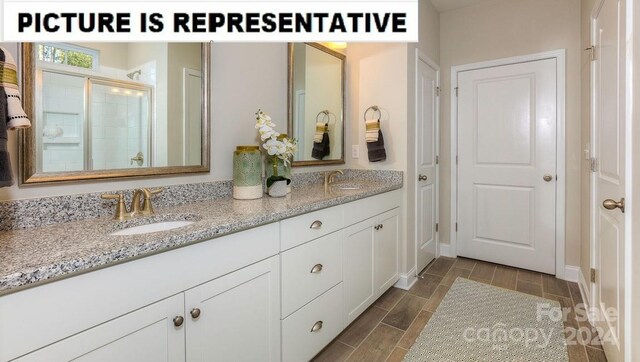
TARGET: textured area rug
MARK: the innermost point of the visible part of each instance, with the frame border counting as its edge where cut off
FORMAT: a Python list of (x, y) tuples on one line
[(479, 322)]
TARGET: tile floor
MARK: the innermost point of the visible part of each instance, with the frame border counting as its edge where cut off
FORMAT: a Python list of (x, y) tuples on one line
[(386, 330)]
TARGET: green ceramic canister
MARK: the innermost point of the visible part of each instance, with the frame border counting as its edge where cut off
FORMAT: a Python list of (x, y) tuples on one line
[(247, 173)]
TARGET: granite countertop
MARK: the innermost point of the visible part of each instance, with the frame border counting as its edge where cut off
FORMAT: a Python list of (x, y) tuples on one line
[(29, 257)]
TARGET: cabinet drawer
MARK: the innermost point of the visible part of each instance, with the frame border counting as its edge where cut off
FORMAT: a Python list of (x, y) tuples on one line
[(299, 340), (355, 212), (310, 270), (300, 229)]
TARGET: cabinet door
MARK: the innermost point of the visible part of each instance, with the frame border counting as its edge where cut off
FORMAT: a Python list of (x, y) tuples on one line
[(147, 334), (386, 250), (239, 316), (358, 264)]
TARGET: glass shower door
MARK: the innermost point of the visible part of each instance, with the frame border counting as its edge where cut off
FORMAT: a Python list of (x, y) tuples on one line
[(120, 116)]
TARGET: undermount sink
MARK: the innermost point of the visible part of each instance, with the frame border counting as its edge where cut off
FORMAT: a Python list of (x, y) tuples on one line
[(152, 228), (347, 186)]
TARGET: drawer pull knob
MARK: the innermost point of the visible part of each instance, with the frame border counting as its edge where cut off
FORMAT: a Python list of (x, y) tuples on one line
[(316, 326), (177, 321), (316, 225), (316, 268), (195, 313)]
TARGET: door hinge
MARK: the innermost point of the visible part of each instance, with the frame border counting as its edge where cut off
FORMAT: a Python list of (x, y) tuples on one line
[(456, 159), (437, 160), (592, 52), (436, 227), (456, 91), (456, 227), (594, 164), (438, 90), (593, 275)]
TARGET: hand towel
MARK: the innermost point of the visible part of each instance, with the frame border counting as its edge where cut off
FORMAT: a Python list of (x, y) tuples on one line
[(322, 149), (375, 150), (12, 115), (321, 128), (373, 126), (16, 118), (5, 161)]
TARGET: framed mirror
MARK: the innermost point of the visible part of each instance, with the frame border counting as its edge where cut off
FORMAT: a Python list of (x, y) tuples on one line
[(316, 103), (112, 110)]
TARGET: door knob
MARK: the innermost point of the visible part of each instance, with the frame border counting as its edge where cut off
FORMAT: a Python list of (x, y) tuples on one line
[(612, 204), (422, 177), (547, 178)]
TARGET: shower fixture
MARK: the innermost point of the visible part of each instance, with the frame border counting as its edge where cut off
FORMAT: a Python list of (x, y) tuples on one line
[(135, 75)]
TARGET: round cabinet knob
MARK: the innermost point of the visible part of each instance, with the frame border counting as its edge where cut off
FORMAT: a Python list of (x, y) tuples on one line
[(613, 204), (547, 178), (177, 321), (195, 313), (316, 326), (422, 178)]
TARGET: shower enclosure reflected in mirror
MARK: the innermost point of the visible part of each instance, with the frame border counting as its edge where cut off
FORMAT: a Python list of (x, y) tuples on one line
[(316, 103), (104, 110)]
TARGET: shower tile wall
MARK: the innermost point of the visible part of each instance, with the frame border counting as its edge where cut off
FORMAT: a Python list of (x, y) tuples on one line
[(119, 127), (63, 114)]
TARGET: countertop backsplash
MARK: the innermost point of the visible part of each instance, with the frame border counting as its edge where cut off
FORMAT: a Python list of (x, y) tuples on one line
[(22, 214)]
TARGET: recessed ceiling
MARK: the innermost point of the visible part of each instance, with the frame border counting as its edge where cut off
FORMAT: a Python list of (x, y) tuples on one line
[(447, 5)]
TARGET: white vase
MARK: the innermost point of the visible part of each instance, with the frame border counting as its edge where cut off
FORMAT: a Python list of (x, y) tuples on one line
[(278, 189)]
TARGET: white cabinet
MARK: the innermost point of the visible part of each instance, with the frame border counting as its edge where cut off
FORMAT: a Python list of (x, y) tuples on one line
[(276, 292), (147, 334), (236, 317), (386, 251), (370, 261)]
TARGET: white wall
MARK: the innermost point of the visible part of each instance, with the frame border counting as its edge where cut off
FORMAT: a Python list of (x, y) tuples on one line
[(241, 83), (506, 28)]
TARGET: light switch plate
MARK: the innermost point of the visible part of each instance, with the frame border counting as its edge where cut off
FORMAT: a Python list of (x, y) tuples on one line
[(355, 151)]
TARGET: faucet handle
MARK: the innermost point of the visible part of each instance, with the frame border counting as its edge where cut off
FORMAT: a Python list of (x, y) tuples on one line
[(154, 191), (119, 196), (121, 210)]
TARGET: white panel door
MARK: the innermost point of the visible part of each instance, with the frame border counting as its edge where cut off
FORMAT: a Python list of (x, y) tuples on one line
[(148, 334), (609, 181), (236, 317), (426, 165), (507, 164)]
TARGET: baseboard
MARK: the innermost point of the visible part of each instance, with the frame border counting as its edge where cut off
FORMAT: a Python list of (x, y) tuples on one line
[(406, 281), (445, 250), (585, 289), (572, 273)]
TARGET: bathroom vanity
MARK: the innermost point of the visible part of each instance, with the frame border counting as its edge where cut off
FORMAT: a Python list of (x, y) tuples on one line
[(248, 280)]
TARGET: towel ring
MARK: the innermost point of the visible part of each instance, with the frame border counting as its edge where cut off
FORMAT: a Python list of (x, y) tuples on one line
[(375, 109), (326, 115)]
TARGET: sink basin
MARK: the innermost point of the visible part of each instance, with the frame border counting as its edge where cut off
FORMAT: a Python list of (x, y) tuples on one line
[(152, 228), (347, 186)]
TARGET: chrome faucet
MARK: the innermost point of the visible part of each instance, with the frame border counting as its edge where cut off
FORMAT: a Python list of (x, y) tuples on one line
[(330, 177), (122, 213)]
